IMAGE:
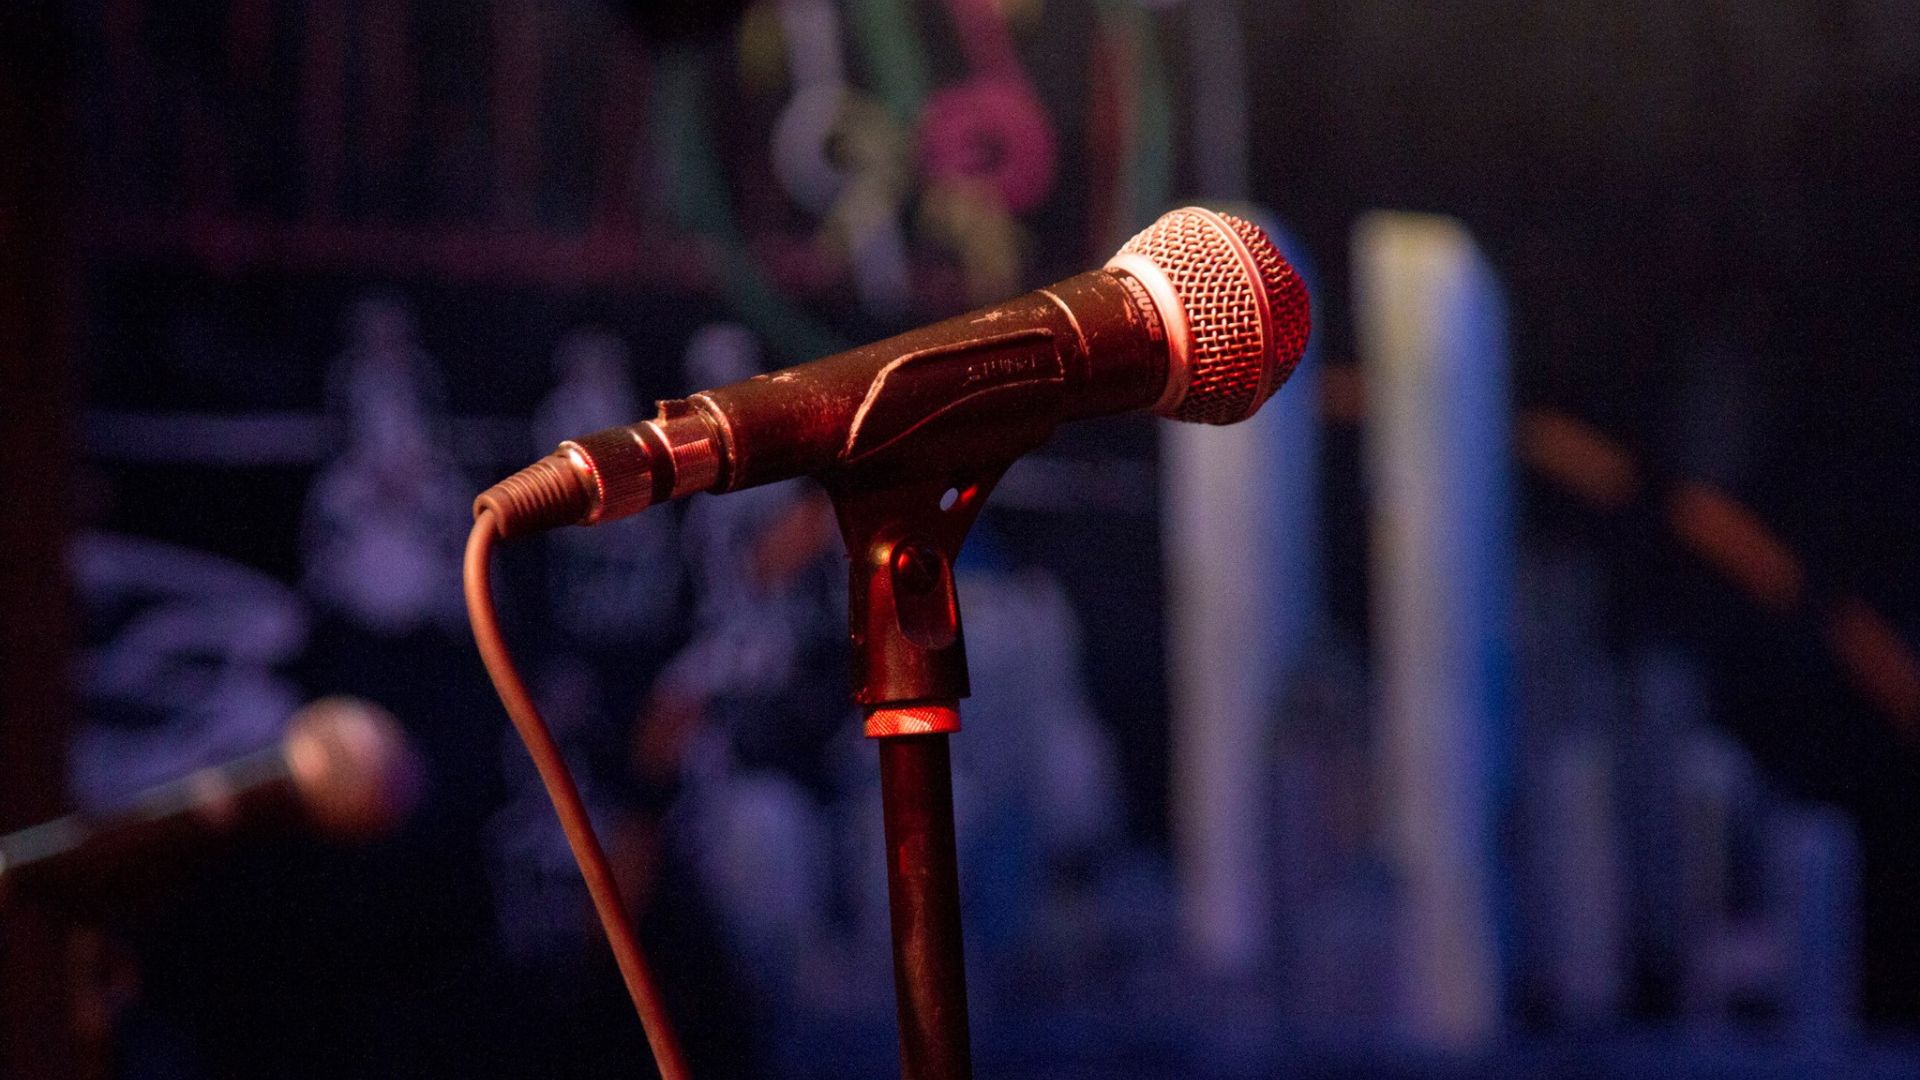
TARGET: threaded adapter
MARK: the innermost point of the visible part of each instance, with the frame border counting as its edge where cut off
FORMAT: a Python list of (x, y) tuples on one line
[(544, 495)]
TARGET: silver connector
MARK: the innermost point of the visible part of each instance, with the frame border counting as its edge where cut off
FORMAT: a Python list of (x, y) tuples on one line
[(615, 469)]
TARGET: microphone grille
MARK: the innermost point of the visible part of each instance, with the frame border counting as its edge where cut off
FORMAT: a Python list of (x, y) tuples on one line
[(1237, 312), (351, 766)]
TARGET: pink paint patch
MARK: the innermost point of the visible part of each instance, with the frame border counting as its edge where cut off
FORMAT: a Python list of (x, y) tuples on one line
[(991, 130)]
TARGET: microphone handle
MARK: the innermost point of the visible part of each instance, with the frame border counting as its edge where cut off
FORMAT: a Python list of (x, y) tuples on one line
[(89, 863), (974, 388)]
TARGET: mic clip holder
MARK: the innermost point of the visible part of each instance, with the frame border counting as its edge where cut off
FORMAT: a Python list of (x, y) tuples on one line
[(937, 430), (904, 625)]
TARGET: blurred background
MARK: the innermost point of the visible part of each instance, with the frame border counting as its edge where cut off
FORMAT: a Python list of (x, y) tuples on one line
[(1530, 690)]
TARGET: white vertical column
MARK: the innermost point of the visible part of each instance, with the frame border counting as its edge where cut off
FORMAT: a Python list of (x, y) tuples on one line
[(1241, 536), (1430, 325), (1209, 528), (1239, 510)]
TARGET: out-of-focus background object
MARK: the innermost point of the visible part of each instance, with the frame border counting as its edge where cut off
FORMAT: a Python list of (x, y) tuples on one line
[(1529, 690), (343, 770)]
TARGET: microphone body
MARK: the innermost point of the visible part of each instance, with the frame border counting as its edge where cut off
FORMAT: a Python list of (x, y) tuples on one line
[(343, 770), (1198, 318), (1087, 346)]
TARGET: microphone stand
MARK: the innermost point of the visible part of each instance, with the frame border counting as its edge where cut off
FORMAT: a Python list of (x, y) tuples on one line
[(936, 431), (909, 672)]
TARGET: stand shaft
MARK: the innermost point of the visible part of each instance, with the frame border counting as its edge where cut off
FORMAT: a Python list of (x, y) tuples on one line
[(923, 890)]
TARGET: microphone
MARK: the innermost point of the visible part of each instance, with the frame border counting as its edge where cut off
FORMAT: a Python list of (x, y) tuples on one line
[(1198, 318), (343, 769)]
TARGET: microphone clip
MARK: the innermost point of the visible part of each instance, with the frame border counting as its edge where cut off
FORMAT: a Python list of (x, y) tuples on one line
[(907, 645)]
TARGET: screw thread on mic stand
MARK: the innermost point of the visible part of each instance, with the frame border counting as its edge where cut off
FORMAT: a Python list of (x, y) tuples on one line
[(544, 495)]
